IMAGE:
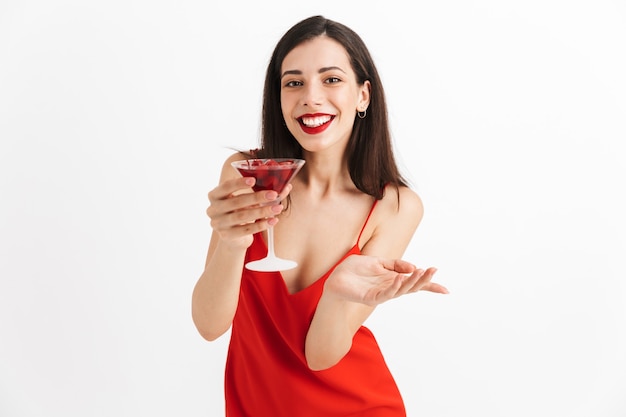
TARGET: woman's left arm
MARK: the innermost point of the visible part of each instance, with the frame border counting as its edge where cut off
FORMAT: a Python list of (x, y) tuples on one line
[(361, 282)]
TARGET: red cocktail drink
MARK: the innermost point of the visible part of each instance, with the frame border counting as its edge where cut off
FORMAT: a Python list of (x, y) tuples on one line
[(271, 174)]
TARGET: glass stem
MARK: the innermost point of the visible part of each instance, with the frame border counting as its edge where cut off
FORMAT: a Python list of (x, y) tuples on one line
[(270, 242)]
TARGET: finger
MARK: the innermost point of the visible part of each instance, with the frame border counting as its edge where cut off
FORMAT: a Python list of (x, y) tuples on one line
[(285, 192), (219, 197), (248, 228), (259, 198), (434, 287), (411, 281), (244, 216), (254, 213), (238, 202), (398, 265), (394, 289), (424, 279), (400, 285), (230, 187)]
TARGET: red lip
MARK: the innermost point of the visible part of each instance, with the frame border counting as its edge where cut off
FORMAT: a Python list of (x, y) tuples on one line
[(317, 129)]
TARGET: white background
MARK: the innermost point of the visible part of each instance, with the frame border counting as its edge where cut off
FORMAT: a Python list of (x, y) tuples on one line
[(508, 117)]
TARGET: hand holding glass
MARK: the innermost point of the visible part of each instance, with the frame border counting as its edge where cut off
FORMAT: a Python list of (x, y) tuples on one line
[(270, 174)]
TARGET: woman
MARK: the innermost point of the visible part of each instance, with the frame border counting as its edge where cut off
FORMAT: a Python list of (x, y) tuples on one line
[(298, 347)]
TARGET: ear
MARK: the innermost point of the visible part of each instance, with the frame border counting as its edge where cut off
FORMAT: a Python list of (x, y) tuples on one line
[(364, 96)]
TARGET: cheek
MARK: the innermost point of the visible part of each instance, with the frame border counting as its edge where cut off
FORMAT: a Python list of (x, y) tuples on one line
[(290, 122), (285, 107), (346, 100)]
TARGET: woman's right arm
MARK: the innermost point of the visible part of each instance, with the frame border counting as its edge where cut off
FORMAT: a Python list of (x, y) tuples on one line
[(235, 214)]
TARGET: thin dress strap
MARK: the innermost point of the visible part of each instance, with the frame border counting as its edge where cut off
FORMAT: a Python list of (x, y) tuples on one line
[(358, 239)]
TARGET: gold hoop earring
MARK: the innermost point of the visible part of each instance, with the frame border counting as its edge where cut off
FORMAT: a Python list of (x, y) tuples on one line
[(362, 114)]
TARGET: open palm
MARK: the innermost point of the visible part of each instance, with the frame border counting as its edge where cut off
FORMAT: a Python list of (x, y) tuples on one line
[(371, 280)]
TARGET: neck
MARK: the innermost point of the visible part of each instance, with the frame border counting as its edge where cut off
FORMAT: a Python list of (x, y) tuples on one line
[(325, 174)]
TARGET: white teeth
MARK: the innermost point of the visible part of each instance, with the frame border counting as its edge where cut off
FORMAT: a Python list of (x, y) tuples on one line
[(315, 121)]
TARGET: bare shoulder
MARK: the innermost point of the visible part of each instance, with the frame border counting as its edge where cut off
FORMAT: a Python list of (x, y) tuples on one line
[(237, 156), (228, 172), (403, 205), (396, 219)]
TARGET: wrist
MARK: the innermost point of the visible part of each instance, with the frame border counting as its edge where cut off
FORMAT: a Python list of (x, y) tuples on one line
[(235, 246), (332, 298)]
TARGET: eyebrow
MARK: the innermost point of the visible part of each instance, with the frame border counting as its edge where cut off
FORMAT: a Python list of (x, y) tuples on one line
[(321, 70)]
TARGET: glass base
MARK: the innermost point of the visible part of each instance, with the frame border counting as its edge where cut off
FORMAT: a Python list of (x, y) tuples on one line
[(271, 264)]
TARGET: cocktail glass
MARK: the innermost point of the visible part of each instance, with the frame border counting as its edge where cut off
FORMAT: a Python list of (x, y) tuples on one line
[(270, 174)]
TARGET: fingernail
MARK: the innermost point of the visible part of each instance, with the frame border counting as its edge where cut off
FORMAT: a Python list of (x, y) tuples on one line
[(272, 221), (271, 195), (277, 208), (250, 181)]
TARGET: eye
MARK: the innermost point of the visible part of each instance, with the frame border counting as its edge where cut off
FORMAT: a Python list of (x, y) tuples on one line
[(332, 80), (293, 83)]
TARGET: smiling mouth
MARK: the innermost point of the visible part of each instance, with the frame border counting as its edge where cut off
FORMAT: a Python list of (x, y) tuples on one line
[(315, 121)]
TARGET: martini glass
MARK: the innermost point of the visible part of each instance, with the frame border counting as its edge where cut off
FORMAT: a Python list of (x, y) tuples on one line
[(271, 174)]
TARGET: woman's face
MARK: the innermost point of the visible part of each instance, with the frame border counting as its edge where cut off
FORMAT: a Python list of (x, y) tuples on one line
[(320, 95)]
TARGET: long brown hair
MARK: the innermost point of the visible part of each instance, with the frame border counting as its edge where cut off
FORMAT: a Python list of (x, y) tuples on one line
[(370, 154)]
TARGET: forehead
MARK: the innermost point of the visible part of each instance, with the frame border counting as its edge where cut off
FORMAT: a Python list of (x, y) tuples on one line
[(316, 53)]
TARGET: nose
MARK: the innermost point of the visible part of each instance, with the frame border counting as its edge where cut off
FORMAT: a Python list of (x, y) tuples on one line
[(312, 95)]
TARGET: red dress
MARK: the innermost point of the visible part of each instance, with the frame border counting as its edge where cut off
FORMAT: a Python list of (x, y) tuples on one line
[(266, 371)]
